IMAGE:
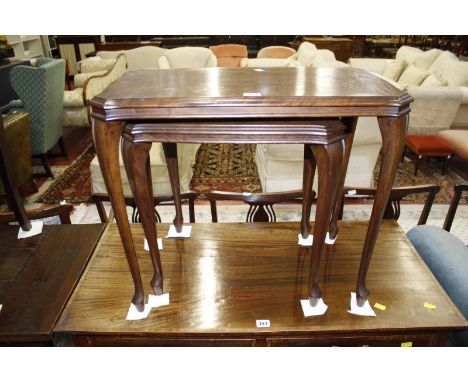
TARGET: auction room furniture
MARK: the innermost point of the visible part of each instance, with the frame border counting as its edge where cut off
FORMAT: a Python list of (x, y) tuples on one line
[(235, 105), (276, 52), (260, 204), (341, 47), (392, 209), (18, 144), (37, 277), (187, 57), (428, 146), (224, 278), (40, 89), (447, 258), (459, 189), (229, 55), (8, 94), (95, 77)]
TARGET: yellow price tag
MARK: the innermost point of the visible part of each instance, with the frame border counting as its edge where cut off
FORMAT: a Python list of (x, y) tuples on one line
[(429, 306), (406, 344), (379, 306)]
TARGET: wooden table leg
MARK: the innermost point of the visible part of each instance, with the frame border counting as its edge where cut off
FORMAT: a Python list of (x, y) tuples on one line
[(393, 132), (137, 164), (329, 162), (350, 128), (106, 137), (307, 181), (170, 152)]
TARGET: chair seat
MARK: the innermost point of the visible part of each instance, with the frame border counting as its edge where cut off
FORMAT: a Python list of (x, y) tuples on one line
[(159, 173), (428, 145)]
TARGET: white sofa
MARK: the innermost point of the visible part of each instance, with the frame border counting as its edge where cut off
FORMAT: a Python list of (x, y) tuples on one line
[(436, 79)]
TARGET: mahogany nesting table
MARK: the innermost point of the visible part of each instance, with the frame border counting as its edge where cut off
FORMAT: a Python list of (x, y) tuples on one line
[(315, 107)]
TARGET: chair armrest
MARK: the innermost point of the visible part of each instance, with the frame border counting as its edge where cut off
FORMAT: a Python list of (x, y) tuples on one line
[(91, 65)]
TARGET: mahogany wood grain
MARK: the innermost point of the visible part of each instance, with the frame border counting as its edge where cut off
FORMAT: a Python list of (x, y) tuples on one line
[(38, 275), (393, 132), (329, 165), (170, 153), (106, 139), (141, 185), (210, 105), (224, 278)]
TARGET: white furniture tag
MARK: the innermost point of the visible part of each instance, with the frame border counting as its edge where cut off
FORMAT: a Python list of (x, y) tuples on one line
[(308, 241), (262, 323), (310, 310), (186, 230), (252, 94), (36, 229), (364, 310), (160, 244)]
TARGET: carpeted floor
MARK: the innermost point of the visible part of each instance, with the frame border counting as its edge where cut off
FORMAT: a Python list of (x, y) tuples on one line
[(232, 168)]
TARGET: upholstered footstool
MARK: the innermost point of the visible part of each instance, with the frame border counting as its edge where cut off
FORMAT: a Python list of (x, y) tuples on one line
[(428, 146), (447, 258)]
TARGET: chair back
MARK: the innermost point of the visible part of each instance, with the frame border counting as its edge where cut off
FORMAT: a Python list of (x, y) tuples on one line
[(187, 57), (393, 207), (41, 90), (261, 204), (275, 52), (229, 55)]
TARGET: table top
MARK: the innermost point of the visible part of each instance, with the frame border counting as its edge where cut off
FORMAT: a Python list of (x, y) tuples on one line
[(226, 276), (247, 92), (37, 276)]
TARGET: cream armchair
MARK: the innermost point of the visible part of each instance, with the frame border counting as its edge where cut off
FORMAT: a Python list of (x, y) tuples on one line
[(188, 57), (87, 85)]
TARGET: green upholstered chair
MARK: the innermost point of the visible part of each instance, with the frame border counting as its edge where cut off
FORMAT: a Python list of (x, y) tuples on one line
[(40, 89), (18, 144)]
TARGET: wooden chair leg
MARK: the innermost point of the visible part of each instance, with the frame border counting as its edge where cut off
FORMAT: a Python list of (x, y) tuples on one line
[(417, 162), (48, 171), (101, 211), (63, 148)]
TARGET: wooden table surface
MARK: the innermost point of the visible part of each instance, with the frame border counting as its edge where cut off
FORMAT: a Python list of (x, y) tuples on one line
[(37, 276), (227, 276)]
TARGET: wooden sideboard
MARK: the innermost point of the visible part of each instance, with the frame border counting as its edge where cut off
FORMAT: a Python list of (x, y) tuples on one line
[(219, 288)]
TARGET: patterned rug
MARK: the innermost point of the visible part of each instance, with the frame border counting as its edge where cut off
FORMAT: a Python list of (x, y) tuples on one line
[(74, 184), (232, 168), (225, 167)]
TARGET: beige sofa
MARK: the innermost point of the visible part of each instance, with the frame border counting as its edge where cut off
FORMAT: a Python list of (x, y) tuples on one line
[(436, 79), (280, 166)]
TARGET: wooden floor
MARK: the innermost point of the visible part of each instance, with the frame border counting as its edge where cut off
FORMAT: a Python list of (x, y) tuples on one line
[(227, 276)]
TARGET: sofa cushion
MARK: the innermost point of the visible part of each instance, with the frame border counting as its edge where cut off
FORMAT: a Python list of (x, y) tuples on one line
[(456, 73), (439, 66), (407, 53), (425, 59), (393, 69), (412, 75), (265, 62), (144, 57), (433, 80), (305, 53), (322, 58)]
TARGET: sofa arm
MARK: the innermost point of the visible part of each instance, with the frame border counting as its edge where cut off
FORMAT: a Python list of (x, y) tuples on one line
[(96, 84), (91, 65), (433, 109), (376, 65)]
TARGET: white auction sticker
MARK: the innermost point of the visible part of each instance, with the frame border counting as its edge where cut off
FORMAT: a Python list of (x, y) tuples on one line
[(252, 94), (263, 323)]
